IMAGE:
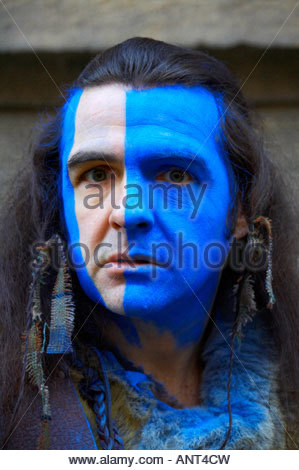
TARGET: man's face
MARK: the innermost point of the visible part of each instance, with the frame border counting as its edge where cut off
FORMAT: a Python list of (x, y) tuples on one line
[(142, 173)]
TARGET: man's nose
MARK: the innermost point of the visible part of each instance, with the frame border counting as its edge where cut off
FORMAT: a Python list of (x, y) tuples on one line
[(132, 209)]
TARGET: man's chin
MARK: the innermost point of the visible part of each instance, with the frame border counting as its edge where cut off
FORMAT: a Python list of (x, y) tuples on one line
[(114, 301), (135, 308)]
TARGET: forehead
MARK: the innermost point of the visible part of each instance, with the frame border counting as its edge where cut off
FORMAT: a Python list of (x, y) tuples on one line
[(103, 105), (169, 115)]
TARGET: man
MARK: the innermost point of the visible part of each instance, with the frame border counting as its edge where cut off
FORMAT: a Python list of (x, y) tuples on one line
[(152, 180)]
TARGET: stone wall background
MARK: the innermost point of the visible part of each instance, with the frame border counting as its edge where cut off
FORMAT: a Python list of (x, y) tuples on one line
[(46, 43)]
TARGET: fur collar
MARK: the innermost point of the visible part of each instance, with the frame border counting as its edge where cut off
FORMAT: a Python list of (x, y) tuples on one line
[(144, 422)]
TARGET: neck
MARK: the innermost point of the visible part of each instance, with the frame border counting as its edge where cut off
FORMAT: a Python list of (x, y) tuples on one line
[(170, 355)]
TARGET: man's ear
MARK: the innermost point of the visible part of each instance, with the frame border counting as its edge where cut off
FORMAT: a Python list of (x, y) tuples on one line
[(241, 228)]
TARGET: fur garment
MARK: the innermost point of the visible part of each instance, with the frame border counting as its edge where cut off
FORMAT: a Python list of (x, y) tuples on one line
[(144, 422)]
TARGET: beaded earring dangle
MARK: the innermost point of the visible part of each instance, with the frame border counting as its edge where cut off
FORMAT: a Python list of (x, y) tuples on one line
[(62, 308), (43, 337), (258, 251), (259, 243), (260, 237)]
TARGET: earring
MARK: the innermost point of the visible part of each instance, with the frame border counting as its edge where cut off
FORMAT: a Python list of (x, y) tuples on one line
[(260, 238), (60, 329), (244, 306), (62, 307), (35, 341), (244, 303), (269, 277)]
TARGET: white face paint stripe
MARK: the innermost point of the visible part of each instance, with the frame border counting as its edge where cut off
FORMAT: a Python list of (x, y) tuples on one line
[(94, 124)]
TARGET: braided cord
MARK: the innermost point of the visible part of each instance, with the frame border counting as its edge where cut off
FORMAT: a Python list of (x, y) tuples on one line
[(97, 391), (107, 442)]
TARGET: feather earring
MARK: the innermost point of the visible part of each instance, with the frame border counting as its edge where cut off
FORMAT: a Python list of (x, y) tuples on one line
[(62, 307), (244, 291), (260, 238), (35, 342), (59, 330), (267, 223)]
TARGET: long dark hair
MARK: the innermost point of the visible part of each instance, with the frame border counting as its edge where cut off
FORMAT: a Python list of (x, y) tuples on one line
[(32, 208)]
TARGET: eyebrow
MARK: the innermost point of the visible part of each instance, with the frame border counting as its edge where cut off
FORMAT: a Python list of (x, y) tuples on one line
[(82, 157), (185, 156)]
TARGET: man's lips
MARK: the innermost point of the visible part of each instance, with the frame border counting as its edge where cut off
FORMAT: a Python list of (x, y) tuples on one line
[(134, 260)]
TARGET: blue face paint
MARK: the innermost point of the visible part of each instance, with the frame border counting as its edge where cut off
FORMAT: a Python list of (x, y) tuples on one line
[(68, 197), (174, 122), (165, 128)]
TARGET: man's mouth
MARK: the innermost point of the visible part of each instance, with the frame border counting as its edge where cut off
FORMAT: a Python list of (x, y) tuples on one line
[(132, 261)]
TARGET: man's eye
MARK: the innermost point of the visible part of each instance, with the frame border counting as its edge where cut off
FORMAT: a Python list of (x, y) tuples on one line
[(176, 175), (96, 175)]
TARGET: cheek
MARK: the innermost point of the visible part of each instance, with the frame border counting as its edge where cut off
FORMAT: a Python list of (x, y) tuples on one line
[(68, 199), (212, 218), (213, 224), (92, 222), (199, 243), (198, 219), (81, 240)]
